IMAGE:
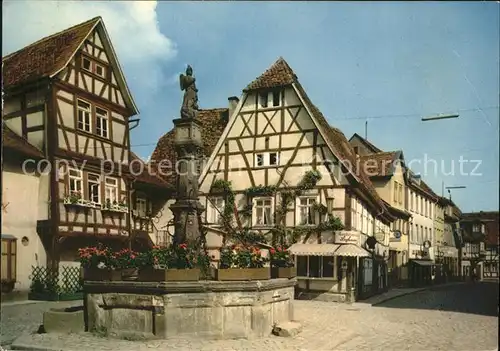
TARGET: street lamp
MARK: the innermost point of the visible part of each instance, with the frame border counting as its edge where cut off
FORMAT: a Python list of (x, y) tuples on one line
[(433, 118), (454, 187)]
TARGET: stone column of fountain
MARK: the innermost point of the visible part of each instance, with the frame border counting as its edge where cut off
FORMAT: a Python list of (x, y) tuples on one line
[(188, 145)]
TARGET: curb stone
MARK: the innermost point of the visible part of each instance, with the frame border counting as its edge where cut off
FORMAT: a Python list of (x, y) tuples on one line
[(418, 290)]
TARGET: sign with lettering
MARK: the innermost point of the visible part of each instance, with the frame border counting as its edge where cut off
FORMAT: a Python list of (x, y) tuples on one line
[(346, 237)]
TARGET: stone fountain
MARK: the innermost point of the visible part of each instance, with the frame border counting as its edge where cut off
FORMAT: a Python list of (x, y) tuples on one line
[(208, 309)]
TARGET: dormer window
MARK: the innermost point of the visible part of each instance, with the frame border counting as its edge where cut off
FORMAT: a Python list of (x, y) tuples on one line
[(263, 99), (276, 98)]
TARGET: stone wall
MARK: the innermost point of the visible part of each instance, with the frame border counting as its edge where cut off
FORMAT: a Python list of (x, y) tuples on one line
[(208, 309)]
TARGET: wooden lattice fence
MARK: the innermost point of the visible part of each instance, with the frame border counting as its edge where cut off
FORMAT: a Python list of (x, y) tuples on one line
[(52, 285)]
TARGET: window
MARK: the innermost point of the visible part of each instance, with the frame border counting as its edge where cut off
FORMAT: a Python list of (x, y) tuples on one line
[(101, 122), (216, 208), (266, 159), (400, 194), (100, 70), (476, 228), (329, 208), (263, 211), (141, 206), (84, 117), (305, 210), (421, 240), (276, 98), (273, 158), (9, 251), (86, 64), (263, 99), (75, 181), (395, 192), (356, 150), (316, 266), (94, 188), (111, 189), (422, 206), (259, 160)]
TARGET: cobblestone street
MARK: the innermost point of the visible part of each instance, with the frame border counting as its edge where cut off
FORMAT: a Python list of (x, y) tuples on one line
[(460, 317)]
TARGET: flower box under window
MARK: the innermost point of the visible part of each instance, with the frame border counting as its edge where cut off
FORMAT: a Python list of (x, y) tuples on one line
[(72, 201), (114, 207)]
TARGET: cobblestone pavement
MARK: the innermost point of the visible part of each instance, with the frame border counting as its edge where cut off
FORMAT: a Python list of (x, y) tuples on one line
[(462, 317)]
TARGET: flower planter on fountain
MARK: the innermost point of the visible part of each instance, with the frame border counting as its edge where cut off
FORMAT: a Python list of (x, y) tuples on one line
[(282, 265), (241, 264)]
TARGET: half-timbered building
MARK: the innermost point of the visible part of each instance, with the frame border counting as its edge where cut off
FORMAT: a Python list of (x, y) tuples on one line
[(274, 137), (66, 94)]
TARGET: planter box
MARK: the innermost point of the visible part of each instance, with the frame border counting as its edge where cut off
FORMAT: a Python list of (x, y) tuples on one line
[(129, 274), (283, 272), (243, 274), (171, 274), (43, 296), (96, 274)]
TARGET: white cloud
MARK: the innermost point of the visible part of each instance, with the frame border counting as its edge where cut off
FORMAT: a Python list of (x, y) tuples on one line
[(131, 25)]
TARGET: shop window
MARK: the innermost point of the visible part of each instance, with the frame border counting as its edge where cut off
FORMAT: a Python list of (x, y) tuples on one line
[(315, 266)]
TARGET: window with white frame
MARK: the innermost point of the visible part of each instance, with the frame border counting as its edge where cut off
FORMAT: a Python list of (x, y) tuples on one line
[(259, 160), (329, 208), (100, 70), (94, 188), (141, 206), (354, 214), (84, 116), (263, 211), (276, 98), (273, 158), (86, 64), (111, 189), (101, 122), (305, 210), (216, 209), (263, 98), (75, 181)]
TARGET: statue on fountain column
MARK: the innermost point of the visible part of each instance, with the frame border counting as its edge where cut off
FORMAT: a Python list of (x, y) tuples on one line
[(189, 107)]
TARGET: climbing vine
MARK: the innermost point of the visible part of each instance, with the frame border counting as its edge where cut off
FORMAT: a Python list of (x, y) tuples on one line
[(281, 234)]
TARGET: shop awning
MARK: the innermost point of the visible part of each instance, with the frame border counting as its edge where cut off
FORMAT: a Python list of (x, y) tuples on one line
[(313, 249), (424, 262), (350, 250)]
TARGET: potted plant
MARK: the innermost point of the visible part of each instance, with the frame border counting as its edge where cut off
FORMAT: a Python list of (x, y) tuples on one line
[(127, 262), (282, 265), (96, 264), (242, 263), (73, 198), (174, 263)]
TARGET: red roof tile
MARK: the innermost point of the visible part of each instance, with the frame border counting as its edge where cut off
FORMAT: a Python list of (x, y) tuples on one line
[(379, 164), (213, 122), (279, 74), (369, 145), (142, 173), (12, 141), (46, 56)]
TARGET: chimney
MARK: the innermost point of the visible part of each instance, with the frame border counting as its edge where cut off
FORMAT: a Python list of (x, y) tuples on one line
[(233, 102)]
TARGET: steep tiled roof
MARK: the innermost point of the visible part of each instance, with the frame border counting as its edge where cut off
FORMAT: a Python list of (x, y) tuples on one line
[(212, 121), (12, 141), (491, 222), (46, 56), (142, 174), (279, 74), (369, 145), (379, 164), (342, 149)]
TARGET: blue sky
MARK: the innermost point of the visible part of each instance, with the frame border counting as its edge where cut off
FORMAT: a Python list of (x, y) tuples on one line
[(394, 62)]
